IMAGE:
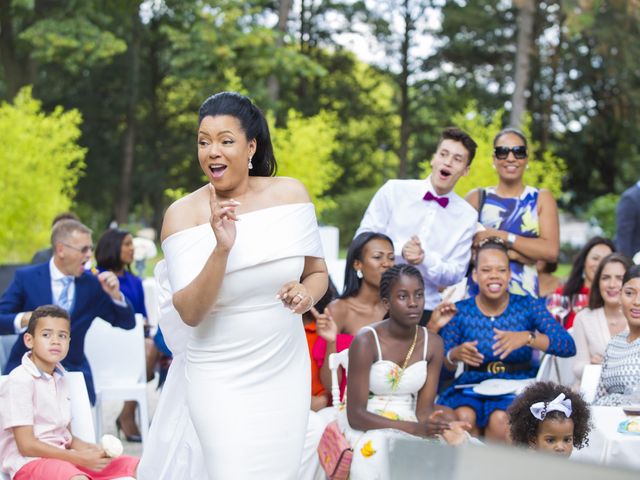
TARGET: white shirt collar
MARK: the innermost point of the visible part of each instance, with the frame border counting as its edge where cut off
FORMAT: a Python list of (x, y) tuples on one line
[(430, 188), (56, 274)]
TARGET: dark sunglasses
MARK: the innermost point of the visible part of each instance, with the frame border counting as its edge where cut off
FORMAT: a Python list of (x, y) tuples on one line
[(502, 153)]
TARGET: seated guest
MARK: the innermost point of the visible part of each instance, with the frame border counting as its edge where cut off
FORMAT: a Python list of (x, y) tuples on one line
[(369, 256), (593, 327), (549, 418), (621, 365), (394, 367), (64, 281), (319, 395), (45, 254), (35, 440), (547, 281), (524, 217), (493, 334), (582, 273)]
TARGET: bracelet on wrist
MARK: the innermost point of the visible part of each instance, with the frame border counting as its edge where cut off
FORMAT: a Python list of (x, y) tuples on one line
[(448, 357)]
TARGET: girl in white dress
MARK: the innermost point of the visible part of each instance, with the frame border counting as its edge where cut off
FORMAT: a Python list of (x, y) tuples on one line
[(394, 367), (244, 262)]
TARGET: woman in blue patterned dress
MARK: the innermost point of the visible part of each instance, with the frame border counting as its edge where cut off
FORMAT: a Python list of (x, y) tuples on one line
[(523, 216), (494, 334)]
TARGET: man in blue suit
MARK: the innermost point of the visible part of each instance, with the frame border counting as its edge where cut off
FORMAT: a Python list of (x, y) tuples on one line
[(64, 281), (628, 221)]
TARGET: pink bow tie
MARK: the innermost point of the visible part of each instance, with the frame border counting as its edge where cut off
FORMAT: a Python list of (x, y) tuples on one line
[(442, 201)]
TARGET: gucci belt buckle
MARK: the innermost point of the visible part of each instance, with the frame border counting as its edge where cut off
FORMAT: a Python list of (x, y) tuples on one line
[(496, 367)]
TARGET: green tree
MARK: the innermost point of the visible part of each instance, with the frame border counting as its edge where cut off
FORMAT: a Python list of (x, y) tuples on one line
[(42, 161), (308, 160)]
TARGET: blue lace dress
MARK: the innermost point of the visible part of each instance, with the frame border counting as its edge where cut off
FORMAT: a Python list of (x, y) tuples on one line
[(518, 216), (523, 313)]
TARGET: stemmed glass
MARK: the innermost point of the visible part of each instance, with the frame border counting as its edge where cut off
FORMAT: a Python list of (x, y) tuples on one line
[(558, 306), (579, 301)]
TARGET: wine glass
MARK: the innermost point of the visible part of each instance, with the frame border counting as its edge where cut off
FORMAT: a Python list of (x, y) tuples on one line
[(579, 301), (558, 306)]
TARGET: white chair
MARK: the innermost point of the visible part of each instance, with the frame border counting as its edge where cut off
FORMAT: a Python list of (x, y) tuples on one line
[(117, 359), (6, 344), (556, 369), (589, 382), (340, 359), (151, 302), (81, 416)]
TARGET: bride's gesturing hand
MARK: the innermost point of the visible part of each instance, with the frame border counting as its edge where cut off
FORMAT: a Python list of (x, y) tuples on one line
[(222, 220)]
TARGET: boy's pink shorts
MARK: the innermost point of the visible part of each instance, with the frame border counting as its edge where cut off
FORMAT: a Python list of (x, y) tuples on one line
[(53, 469)]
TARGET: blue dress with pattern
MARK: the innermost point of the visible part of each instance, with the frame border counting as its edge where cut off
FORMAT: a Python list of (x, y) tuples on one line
[(518, 216), (523, 313)]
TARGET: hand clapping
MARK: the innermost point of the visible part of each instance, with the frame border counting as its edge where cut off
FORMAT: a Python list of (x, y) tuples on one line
[(412, 251), (507, 342)]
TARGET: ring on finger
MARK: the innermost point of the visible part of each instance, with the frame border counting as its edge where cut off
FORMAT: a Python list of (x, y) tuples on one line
[(299, 295)]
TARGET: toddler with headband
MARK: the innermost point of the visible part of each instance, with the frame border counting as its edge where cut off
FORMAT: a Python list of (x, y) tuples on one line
[(550, 418)]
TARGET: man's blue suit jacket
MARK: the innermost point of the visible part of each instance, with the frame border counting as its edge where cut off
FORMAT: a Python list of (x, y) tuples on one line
[(628, 222), (31, 287)]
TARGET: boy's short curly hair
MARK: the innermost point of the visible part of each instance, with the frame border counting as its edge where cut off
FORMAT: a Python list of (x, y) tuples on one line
[(524, 426)]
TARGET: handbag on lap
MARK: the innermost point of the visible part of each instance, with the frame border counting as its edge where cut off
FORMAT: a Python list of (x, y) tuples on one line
[(335, 453), (334, 450)]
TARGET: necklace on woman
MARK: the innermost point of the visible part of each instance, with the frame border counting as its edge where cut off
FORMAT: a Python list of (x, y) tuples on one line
[(490, 311)]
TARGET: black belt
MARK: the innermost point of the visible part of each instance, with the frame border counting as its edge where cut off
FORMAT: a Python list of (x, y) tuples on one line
[(500, 367)]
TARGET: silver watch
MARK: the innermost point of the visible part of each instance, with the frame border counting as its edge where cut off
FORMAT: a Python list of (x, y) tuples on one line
[(511, 238)]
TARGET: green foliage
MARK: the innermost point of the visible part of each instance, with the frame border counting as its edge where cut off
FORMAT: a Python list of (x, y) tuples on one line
[(41, 163), (545, 170), (602, 211), (75, 43), (347, 212), (303, 150)]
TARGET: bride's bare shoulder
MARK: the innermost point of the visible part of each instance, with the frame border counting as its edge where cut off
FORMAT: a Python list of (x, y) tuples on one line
[(186, 212), (284, 190)]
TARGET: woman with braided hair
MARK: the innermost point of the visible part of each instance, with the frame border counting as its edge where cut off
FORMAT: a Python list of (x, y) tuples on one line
[(394, 366)]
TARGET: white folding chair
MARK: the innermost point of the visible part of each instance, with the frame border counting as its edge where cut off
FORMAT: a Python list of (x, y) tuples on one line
[(6, 344), (589, 382), (340, 359), (117, 359), (556, 369), (151, 302), (81, 416)]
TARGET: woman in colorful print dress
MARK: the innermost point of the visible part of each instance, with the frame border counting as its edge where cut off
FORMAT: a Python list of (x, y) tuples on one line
[(525, 217)]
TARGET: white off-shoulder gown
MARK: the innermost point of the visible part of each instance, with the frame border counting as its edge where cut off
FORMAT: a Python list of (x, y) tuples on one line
[(247, 364)]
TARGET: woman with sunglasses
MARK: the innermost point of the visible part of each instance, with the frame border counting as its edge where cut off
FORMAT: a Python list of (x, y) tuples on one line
[(526, 218)]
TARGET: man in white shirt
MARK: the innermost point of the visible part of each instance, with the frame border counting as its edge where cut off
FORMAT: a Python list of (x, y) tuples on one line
[(431, 226)]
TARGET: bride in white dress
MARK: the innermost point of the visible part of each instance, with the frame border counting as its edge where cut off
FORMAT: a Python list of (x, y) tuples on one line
[(244, 260)]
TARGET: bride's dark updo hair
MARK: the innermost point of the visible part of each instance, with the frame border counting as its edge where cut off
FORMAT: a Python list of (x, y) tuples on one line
[(253, 123)]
